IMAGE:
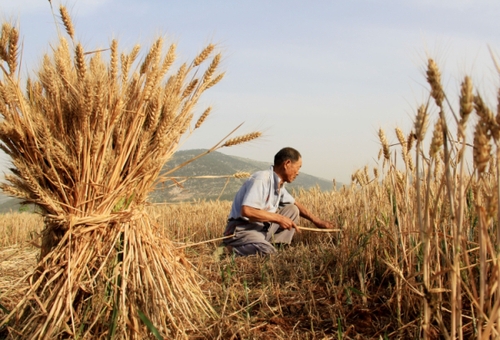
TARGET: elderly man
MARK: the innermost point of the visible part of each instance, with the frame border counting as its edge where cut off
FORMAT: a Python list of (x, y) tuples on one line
[(264, 213)]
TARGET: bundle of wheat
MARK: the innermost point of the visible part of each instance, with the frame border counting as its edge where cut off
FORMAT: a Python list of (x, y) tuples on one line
[(87, 140)]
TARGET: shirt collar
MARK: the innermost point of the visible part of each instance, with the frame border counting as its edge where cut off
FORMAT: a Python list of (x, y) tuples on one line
[(277, 180)]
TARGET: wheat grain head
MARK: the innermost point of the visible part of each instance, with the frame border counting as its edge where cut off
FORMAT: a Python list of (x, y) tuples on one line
[(385, 144), (421, 123), (68, 23), (203, 55), (482, 147), (434, 80), (242, 139), (466, 105), (437, 139)]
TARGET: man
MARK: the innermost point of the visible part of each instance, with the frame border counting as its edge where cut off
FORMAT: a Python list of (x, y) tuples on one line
[(264, 213)]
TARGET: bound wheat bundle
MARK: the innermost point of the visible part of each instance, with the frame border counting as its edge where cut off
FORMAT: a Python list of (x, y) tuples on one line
[(87, 139)]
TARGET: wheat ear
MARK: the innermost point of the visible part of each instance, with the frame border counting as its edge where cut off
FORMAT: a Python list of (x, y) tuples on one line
[(13, 50), (4, 41), (421, 123), (434, 80), (68, 24), (242, 139), (437, 138), (385, 144), (466, 105), (482, 148), (203, 55), (203, 117)]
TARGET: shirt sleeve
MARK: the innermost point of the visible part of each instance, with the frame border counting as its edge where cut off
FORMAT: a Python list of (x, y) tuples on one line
[(255, 195)]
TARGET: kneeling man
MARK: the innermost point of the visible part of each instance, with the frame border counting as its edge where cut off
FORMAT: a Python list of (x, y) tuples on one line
[(264, 213)]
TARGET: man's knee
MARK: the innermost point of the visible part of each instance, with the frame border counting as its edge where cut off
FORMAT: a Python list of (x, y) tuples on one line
[(291, 211), (254, 249), (280, 235)]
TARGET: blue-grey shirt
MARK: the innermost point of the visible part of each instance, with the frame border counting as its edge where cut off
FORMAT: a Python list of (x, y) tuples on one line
[(261, 191)]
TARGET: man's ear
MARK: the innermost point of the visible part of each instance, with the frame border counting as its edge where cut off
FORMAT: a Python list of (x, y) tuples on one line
[(287, 163)]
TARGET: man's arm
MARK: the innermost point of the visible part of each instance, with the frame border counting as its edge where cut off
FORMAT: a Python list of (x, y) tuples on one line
[(308, 216), (258, 215)]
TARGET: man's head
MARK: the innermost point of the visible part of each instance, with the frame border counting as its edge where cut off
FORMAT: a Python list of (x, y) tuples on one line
[(287, 163)]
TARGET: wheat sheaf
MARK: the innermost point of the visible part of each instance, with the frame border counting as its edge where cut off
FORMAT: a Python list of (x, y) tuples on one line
[(88, 136)]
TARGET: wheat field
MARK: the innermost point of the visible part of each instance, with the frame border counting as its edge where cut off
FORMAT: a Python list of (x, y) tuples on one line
[(417, 256), (367, 281)]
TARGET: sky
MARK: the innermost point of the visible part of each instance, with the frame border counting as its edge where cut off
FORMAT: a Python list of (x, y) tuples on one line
[(320, 76)]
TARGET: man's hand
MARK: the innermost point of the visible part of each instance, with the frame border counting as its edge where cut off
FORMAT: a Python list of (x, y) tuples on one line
[(325, 225), (288, 224), (319, 223)]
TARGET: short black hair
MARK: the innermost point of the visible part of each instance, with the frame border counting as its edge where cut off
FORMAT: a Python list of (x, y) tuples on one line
[(286, 154)]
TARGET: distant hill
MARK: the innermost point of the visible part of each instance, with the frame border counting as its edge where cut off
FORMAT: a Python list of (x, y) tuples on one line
[(213, 164), (10, 204), (218, 164)]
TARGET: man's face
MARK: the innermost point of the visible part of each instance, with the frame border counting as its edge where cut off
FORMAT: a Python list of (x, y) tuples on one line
[(292, 170)]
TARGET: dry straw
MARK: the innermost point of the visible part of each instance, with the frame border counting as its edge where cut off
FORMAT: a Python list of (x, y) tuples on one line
[(87, 141)]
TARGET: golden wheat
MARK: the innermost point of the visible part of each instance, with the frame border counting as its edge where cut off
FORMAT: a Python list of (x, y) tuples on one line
[(437, 139), (202, 118), (421, 123), (88, 141), (482, 148), (203, 55), (434, 80), (12, 53), (207, 76), (4, 41), (215, 80), (385, 144), (242, 139), (466, 104), (68, 24)]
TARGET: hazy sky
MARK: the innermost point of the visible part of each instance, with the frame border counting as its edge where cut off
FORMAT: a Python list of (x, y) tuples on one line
[(320, 76)]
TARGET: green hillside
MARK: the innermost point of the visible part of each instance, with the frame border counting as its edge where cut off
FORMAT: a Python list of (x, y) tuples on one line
[(217, 164), (10, 204)]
